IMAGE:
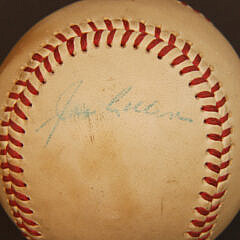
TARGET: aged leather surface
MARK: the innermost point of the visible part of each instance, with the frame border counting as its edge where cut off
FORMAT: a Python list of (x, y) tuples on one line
[(103, 145)]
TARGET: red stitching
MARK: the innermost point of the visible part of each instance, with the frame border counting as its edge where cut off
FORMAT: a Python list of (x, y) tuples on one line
[(13, 168), (17, 194), (47, 65), (32, 232), (139, 39), (157, 32), (61, 37), (125, 38), (25, 210), (108, 24), (70, 46), (97, 37), (15, 181), (153, 44), (57, 56), (93, 26), (84, 42), (111, 37), (37, 57), (142, 27), (77, 30), (26, 220)]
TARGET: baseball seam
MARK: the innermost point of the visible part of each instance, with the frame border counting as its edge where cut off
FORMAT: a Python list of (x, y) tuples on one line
[(214, 107)]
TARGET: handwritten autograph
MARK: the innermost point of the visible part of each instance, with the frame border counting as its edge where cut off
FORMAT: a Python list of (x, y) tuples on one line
[(64, 110)]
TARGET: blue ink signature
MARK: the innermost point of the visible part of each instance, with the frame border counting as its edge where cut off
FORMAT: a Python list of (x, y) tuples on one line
[(61, 114), (140, 108), (64, 112)]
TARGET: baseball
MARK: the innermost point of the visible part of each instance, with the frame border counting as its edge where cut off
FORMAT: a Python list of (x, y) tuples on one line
[(119, 120)]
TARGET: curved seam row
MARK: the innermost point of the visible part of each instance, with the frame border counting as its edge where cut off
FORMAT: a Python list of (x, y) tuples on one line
[(10, 181)]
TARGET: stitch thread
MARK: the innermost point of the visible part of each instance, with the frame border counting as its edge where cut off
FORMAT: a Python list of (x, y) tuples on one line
[(203, 231)]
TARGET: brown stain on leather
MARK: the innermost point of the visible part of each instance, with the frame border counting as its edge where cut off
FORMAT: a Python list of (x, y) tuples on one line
[(102, 165)]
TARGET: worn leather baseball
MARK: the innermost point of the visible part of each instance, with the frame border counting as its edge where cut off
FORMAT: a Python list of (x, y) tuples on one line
[(120, 120)]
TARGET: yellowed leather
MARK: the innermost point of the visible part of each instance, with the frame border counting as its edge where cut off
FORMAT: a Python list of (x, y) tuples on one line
[(98, 162)]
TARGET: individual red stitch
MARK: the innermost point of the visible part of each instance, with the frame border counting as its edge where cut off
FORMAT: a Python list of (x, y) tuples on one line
[(21, 83), (172, 40), (57, 56), (197, 81), (153, 44), (13, 95), (8, 109), (3, 138), (205, 212), (126, 37), (186, 49), (70, 46), (93, 26), (221, 102), (211, 181), (139, 39), (214, 137), (29, 69), (97, 37), (14, 126), (83, 42), (77, 30), (214, 152), (189, 69), (19, 112), (110, 37), (49, 47), (126, 25), (31, 88), (14, 141), (24, 99), (157, 32), (13, 153), (15, 181), (226, 150), (26, 220), (213, 167), (212, 121), (3, 152), (108, 24), (223, 178), (37, 57), (197, 234), (25, 210), (204, 94), (18, 195), (226, 132), (197, 60), (215, 88), (39, 75), (225, 164), (13, 168), (209, 108), (224, 118), (61, 37), (165, 50), (179, 60), (209, 197), (47, 65), (142, 27), (198, 223), (32, 232)]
